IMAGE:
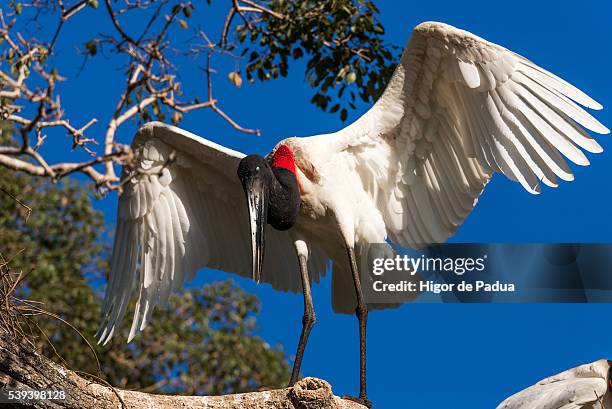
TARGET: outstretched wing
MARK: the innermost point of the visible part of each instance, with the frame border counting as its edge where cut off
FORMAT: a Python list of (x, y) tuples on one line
[(183, 209), (583, 387), (457, 109)]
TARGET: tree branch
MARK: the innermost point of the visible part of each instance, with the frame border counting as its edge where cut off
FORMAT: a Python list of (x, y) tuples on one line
[(21, 367), (152, 88)]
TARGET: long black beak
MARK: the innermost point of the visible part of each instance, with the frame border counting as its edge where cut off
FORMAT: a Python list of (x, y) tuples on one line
[(258, 209)]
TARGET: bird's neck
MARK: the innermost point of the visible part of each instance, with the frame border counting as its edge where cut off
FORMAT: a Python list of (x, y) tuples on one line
[(284, 199), (283, 159)]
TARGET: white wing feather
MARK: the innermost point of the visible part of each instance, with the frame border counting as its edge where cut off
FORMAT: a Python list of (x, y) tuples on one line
[(457, 109), (175, 217), (583, 387)]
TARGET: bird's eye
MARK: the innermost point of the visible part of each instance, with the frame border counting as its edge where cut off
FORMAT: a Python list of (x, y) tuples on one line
[(257, 169)]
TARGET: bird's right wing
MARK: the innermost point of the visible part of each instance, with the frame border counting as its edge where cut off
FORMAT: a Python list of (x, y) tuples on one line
[(183, 209), (457, 109), (583, 387)]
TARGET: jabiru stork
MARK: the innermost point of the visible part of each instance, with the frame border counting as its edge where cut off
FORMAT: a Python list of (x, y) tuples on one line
[(457, 109), (583, 387)]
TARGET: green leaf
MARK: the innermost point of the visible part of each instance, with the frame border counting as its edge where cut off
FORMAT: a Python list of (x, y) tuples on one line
[(343, 114), (92, 47)]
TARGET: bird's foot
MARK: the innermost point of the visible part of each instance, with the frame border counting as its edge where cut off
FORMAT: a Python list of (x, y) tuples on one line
[(362, 400)]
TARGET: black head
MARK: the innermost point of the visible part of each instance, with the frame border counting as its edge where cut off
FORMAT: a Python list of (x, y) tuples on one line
[(273, 197), (254, 174), (252, 166)]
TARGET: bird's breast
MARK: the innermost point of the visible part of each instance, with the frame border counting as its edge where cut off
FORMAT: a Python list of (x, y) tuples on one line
[(312, 206)]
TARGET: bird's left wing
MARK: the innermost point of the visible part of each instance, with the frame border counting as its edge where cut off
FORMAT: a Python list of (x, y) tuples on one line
[(583, 387), (457, 109), (182, 209)]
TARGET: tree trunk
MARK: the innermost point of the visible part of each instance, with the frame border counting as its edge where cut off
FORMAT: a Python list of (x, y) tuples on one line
[(21, 367)]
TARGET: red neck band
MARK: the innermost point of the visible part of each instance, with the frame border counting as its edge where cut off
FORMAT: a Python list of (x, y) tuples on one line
[(283, 158)]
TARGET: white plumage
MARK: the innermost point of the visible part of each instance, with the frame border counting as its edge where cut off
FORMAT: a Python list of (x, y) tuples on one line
[(584, 387), (457, 109)]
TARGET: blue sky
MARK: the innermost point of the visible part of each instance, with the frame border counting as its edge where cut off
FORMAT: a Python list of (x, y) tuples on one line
[(436, 355)]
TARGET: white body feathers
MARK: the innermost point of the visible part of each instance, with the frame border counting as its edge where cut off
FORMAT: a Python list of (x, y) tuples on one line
[(583, 387)]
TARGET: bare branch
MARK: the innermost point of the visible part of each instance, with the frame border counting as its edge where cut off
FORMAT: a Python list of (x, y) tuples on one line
[(19, 202), (151, 85), (261, 9), (233, 123)]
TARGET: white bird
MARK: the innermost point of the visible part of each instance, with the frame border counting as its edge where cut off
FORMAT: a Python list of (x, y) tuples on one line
[(584, 387), (456, 109)]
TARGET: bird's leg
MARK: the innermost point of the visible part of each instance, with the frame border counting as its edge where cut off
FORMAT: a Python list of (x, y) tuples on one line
[(307, 321), (362, 316)]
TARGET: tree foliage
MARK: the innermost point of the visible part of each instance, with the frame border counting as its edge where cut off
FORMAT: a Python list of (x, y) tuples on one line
[(205, 343), (341, 41)]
